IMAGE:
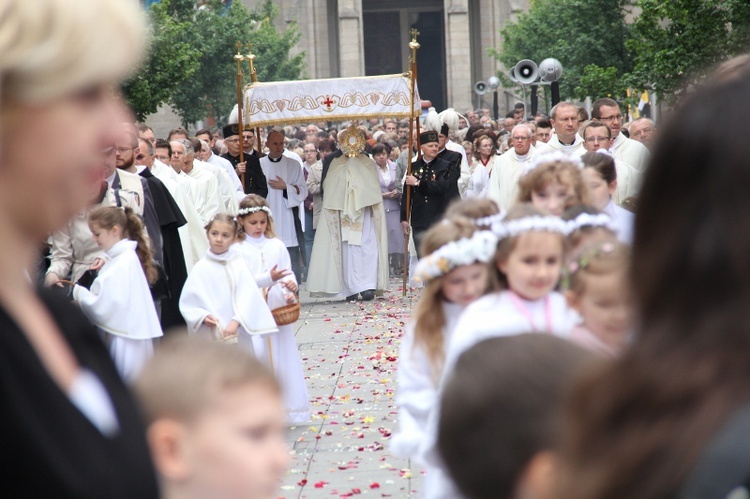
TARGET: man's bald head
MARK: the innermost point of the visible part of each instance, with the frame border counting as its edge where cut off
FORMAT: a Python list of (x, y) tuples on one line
[(643, 130)]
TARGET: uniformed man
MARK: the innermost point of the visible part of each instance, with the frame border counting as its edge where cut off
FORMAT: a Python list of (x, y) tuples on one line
[(432, 184), (255, 181)]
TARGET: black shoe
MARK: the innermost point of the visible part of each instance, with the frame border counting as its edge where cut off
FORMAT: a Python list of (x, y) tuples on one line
[(368, 295), (352, 297)]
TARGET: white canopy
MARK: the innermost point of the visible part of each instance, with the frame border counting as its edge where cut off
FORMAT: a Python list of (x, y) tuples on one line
[(332, 99)]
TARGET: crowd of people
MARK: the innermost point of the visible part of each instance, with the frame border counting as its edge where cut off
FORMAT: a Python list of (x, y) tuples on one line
[(560, 347)]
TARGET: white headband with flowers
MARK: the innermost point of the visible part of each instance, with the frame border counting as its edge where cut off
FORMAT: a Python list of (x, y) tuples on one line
[(254, 209), (489, 221), (551, 157), (589, 220), (538, 223), (478, 248)]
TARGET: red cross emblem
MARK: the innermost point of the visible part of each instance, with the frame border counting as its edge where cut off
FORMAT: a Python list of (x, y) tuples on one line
[(328, 103)]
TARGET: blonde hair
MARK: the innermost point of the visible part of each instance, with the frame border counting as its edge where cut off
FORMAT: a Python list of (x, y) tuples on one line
[(472, 208), (506, 245), (558, 171), (109, 217), (595, 260), (429, 318), (206, 369), (51, 48), (255, 201)]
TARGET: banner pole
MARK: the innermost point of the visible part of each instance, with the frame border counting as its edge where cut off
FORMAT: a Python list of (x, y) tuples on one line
[(413, 45), (239, 58), (253, 79)]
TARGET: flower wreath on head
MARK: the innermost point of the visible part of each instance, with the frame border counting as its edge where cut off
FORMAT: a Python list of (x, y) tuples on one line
[(490, 220), (538, 223), (584, 260), (254, 209), (480, 247), (552, 157), (589, 220)]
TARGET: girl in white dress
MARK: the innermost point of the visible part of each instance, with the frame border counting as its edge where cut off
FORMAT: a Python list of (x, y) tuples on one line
[(269, 261), (528, 264), (455, 273), (220, 299), (600, 175), (119, 301), (598, 290)]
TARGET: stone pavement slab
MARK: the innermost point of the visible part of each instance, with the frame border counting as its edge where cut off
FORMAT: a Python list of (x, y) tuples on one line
[(350, 354)]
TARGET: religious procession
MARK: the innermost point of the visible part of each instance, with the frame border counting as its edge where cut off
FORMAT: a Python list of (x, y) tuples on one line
[(550, 300)]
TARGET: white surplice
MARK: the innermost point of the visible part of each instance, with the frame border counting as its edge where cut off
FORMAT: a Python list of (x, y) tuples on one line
[(224, 164), (624, 221), (192, 235), (204, 188), (120, 304), (261, 255), (229, 203), (631, 152), (479, 182), (290, 171), (554, 144), (503, 184)]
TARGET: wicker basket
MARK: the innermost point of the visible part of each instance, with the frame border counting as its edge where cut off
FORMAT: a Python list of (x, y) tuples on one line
[(288, 314)]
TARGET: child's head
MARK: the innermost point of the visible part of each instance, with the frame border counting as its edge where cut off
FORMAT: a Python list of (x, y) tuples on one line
[(600, 176), (597, 282), (530, 251), (553, 184), (215, 421), (110, 224), (454, 269), (483, 211), (500, 415), (587, 225), (223, 231), (255, 217)]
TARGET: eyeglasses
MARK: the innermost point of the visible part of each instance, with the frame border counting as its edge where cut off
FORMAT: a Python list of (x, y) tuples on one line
[(231, 141), (140, 157), (592, 140), (617, 117), (520, 138)]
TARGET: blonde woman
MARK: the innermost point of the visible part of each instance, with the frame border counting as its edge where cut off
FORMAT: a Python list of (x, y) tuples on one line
[(484, 164), (70, 427)]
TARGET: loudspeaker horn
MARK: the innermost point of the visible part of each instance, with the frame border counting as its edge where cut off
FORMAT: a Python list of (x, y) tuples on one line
[(550, 69), (512, 75), (526, 71), (480, 88)]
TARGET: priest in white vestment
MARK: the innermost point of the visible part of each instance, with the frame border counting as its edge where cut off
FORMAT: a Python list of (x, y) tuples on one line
[(350, 252), (503, 184), (287, 190), (624, 149), (201, 183), (564, 119)]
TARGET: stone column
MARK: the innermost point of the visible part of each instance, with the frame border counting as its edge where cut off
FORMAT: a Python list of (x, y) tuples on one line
[(458, 54), (351, 38)]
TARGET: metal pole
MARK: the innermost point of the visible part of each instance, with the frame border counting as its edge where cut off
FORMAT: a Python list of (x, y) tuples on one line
[(239, 58), (253, 78), (413, 45)]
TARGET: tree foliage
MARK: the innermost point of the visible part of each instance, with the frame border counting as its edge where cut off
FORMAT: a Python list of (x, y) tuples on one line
[(207, 39), (578, 33), (676, 43), (171, 61)]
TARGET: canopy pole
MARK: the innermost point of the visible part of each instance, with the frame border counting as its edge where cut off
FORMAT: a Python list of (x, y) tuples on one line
[(239, 58), (253, 79), (413, 45)]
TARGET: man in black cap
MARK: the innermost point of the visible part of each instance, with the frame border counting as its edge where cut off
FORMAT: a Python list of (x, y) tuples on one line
[(431, 184), (255, 181)]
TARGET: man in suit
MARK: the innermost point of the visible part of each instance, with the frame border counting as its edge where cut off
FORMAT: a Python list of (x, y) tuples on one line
[(432, 184), (255, 180)]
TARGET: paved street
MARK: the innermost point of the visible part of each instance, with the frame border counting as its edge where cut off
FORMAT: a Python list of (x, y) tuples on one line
[(350, 353)]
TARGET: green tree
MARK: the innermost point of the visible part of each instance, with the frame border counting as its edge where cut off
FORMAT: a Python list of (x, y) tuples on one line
[(206, 39), (213, 90), (601, 82), (676, 43), (170, 62), (578, 33)]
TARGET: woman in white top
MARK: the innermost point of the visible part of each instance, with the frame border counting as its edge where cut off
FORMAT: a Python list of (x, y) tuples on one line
[(484, 164)]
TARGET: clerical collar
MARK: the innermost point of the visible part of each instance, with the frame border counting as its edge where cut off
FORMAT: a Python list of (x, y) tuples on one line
[(521, 159), (564, 144), (277, 160)]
